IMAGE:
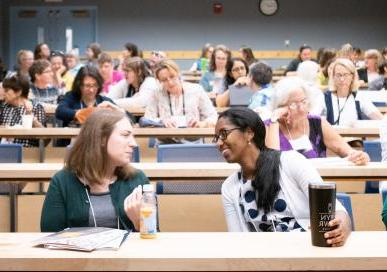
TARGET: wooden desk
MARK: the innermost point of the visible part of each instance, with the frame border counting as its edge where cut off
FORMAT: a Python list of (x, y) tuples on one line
[(155, 132), (202, 252), (34, 172)]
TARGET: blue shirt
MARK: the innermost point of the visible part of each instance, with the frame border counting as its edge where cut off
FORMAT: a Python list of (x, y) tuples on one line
[(262, 97)]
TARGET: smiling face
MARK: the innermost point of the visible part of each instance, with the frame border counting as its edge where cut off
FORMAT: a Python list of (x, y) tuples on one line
[(232, 142), (121, 143), (298, 105)]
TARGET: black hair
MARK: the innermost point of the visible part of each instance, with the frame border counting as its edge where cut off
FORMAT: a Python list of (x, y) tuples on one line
[(86, 71), (267, 173), (18, 83), (228, 79), (131, 47)]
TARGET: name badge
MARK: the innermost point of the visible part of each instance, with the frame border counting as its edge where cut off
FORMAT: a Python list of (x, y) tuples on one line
[(301, 144)]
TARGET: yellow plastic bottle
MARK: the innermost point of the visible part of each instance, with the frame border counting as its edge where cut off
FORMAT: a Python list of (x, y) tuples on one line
[(148, 213)]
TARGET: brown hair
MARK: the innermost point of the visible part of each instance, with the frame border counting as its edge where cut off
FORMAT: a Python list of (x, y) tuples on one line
[(38, 67), (136, 64), (88, 157), (104, 58), (222, 48)]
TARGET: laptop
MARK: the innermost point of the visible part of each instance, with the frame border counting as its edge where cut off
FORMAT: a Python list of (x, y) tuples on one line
[(240, 95)]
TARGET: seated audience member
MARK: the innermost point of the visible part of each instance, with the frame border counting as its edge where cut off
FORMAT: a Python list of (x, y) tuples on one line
[(3, 70), (327, 57), (202, 63), (292, 128), (248, 55), (16, 104), (63, 80), (42, 51), (345, 52), (42, 90), (137, 87), (381, 82), (93, 51), (384, 53), (84, 98), (24, 59), (97, 187), (370, 73), (179, 103), (270, 191), (236, 72), (72, 62), (131, 50), (213, 80), (110, 76), (357, 58), (155, 58), (260, 76), (342, 107), (305, 53), (308, 71)]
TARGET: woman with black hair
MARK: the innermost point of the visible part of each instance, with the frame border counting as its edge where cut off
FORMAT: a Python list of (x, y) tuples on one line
[(84, 98), (270, 192)]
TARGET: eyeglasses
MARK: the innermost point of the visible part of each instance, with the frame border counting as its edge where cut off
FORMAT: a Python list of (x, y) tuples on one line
[(298, 105), (90, 86), (238, 69), (223, 134), (345, 76)]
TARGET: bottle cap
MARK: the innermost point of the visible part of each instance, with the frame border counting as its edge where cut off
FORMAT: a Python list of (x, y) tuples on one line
[(147, 188)]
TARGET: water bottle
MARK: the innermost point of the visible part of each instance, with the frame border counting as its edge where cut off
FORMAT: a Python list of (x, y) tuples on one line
[(148, 213)]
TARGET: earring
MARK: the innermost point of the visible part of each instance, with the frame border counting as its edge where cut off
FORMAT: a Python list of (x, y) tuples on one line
[(249, 143)]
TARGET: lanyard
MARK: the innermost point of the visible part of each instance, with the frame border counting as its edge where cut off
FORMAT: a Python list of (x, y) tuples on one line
[(340, 110), (170, 103)]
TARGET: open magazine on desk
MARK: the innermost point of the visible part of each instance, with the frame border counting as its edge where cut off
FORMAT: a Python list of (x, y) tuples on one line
[(84, 239)]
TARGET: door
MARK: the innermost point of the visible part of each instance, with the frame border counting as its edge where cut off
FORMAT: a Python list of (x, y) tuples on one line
[(60, 27)]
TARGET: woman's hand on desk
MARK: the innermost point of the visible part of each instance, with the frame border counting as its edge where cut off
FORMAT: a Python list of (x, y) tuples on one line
[(169, 123), (341, 229), (132, 205), (358, 157)]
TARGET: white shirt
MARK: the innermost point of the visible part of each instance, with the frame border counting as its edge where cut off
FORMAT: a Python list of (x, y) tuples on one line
[(139, 99), (296, 172), (348, 113)]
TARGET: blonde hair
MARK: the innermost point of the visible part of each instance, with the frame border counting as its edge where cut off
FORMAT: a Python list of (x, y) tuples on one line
[(347, 64), (88, 157), (168, 64)]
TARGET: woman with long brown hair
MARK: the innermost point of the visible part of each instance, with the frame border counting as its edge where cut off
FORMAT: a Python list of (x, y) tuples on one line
[(97, 187)]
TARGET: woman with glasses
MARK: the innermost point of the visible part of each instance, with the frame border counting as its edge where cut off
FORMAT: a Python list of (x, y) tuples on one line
[(270, 191), (137, 87), (84, 98), (179, 103), (342, 107), (291, 127), (236, 72)]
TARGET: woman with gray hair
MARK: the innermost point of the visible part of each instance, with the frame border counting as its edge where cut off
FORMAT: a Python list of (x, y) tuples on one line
[(373, 58), (291, 127), (342, 107)]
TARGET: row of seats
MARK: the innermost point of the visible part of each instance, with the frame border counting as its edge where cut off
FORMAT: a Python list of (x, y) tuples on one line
[(12, 153)]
